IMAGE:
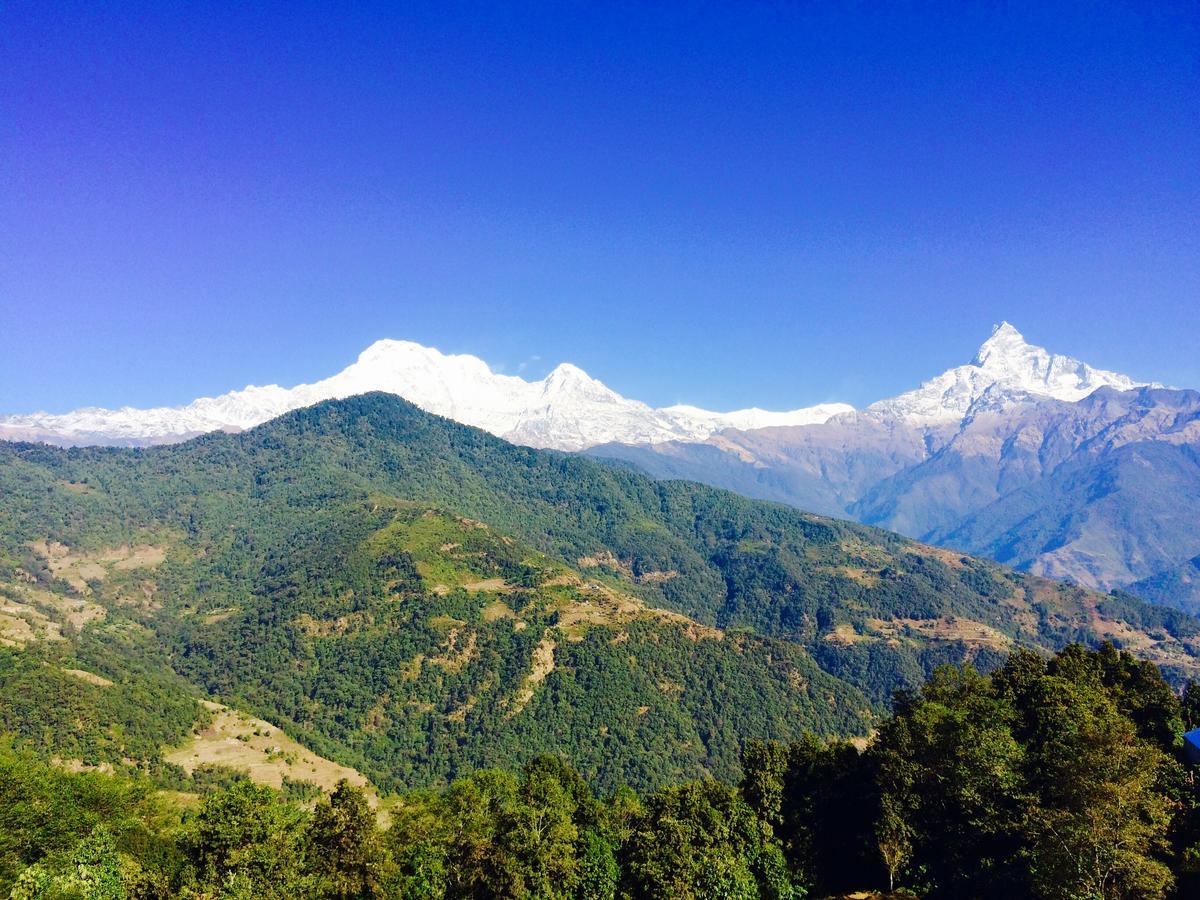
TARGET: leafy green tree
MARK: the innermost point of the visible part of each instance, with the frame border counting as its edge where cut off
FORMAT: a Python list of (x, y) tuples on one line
[(893, 835), (418, 841), (950, 775), (1101, 826), (97, 868), (702, 840), (347, 853), (599, 875), (93, 872), (48, 814), (764, 772), (538, 836), (247, 835), (829, 793), (1191, 705)]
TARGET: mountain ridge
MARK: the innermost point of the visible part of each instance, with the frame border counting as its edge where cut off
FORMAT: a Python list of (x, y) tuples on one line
[(566, 410), (956, 461), (569, 409), (1098, 491)]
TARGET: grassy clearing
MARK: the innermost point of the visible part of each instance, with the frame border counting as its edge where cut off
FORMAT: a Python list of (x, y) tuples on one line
[(29, 613), (89, 677), (262, 751), (542, 665), (77, 568)]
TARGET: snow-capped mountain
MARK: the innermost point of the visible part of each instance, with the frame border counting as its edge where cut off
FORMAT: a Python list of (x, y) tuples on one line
[(566, 410), (1007, 371), (1035, 459)]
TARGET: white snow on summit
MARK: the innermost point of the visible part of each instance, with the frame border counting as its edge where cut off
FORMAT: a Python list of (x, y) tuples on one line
[(1006, 371), (746, 419), (567, 410)]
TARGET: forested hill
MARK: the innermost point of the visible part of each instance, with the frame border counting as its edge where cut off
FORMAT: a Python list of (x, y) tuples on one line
[(415, 597), (1049, 778)]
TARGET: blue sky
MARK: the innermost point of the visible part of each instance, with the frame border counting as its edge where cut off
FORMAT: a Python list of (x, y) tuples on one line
[(723, 204)]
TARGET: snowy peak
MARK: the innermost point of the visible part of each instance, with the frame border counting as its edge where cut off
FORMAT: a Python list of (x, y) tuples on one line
[(1004, 347), (747, 419), (568, 379), (566, 410), (1007, 371)]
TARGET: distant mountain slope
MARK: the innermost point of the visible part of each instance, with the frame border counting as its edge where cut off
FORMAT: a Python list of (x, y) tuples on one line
[(566, 410), (1176, 586), (1109, 521), (822, 469), (410, 596), (943, 462), (987, 459)]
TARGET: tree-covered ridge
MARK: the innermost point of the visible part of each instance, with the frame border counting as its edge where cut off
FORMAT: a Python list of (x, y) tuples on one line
[(435, 643), (1048, 778), (236, 498), (415, 598), (412, 644), (51, 703)]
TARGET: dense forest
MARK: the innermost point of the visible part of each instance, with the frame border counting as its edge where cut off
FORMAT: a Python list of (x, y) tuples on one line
[(365, 651), (418, 599), (1049, 778)]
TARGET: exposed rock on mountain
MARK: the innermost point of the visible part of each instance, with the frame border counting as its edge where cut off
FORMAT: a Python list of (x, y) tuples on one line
[(1034, 459)]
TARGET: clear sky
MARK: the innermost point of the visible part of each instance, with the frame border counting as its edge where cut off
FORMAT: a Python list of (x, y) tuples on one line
[(722, 204)]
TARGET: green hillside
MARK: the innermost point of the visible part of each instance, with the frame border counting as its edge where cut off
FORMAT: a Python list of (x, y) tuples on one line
[(1050, 778), (416, 598)]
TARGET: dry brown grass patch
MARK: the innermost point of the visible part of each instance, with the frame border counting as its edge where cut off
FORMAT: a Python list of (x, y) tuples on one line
[(263, 752), (89, 677), (542, 664)]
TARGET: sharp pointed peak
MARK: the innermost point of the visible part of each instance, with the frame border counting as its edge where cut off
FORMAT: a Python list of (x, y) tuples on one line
[(1004, 332), (1004, 342)]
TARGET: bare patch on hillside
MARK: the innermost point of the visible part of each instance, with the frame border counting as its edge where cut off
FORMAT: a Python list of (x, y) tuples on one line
[(845, 635), (542, 665), (497, 610), (459, 715), (29, 613), (950, 558), (493, 585), (78, 568), (608, 560), (326, 627), (76, 487), (943, 629), (457, 654), (263, 752), (859, 575), (89, 677), (590, 603), (78, 765)]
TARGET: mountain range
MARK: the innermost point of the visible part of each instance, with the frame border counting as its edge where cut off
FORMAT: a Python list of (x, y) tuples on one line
[(566, 410), (1035, 459), (416, 598)]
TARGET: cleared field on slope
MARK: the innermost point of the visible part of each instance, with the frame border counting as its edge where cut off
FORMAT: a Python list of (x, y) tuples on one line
[(262, 751)]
